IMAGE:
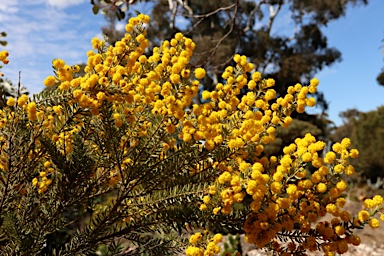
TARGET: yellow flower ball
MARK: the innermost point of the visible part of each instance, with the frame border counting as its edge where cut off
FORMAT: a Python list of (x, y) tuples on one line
[(200, 73), (321, 187), (337, 147), (217, 238), (374, 223), (31, 108), (353, 153), (270, 82), (349, 170), (339, 230), (345, 216), (195, 238), (346, 142), (35, 182), (331, 208), (206, 199), (342, 246), (203, 207), (287, 121), (3, 56), (256, 76), (237, 58), (329, 157), (306, 157), (291, 189), (341, 185), (22, 100), (270, 94), (338, 168), (194, 251), (58, 63), (11, 102), (216, 210), (363, 215), (206, 95), (278, 176), (310, 102), (283, 203), (276, 187), (378, 200)]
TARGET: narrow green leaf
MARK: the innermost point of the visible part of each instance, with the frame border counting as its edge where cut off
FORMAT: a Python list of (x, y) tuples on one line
[(95, 9), (120, 15)]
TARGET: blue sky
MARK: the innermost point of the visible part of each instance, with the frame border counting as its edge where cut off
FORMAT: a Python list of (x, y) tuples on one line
[(41, 30)]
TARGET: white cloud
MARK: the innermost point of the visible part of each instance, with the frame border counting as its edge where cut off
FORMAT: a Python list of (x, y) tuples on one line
[(64, 3), (38, 33), (120, 26), (9, 7)]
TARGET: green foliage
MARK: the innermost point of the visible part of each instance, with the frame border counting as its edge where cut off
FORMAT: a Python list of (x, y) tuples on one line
[(380, 78), (73, 217), (233, 248), (367, 134), (3, 42)]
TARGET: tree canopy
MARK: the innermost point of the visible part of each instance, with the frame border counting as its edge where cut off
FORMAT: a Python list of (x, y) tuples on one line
[(367, 134)]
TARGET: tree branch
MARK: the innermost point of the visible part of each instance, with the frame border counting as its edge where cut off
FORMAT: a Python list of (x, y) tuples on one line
[(272, 16)]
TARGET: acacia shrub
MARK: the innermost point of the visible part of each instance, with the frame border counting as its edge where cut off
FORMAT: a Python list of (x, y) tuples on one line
[(128, 131)]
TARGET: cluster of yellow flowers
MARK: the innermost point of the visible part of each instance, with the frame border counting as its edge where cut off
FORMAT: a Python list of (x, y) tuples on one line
[(285, 195), (4, 57), (43, 181), (155, 93), (211, 245)]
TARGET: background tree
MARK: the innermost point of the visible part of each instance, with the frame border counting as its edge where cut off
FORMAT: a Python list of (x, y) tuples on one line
[(380, 78), (367, 134), (348, 117)]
